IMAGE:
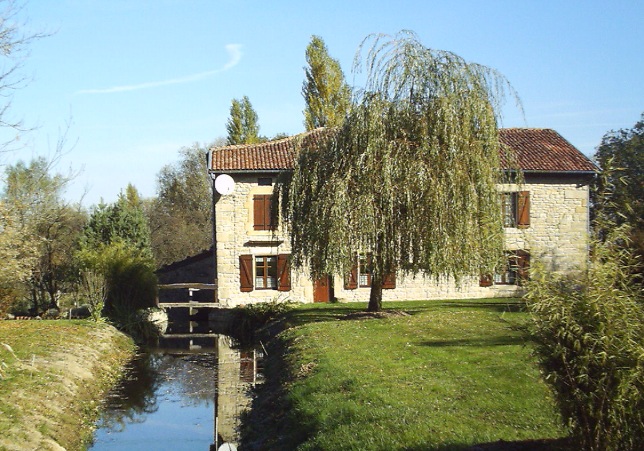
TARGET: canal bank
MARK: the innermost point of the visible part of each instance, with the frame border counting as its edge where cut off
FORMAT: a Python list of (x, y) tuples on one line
[(54, 375)]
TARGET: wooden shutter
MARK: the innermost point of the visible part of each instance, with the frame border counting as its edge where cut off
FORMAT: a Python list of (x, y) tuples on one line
[(246, 273), (284, 272), (351, 280), (259, 213), (523, 266), (523, 209), (263, 212), (486, 280), (389, 281)]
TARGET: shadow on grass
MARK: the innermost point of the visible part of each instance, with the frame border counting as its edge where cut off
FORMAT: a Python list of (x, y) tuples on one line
[(501, 340), (510, 305), (555, 444), (311, 313)]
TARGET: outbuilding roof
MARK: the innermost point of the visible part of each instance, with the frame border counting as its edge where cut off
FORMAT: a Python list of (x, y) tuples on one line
[(536, 150)]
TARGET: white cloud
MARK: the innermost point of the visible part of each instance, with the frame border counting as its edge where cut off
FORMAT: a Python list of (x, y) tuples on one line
[(234, 53)]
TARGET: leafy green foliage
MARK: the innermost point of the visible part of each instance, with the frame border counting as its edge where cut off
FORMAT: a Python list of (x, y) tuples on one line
[(180, 217), (248, 319), (116, 245), (129, 273), (242, 126), (49, 227), (409, 177), (17, 258), (325, 91), (619, 193), (589, 335), (123, 220), (93, 293)]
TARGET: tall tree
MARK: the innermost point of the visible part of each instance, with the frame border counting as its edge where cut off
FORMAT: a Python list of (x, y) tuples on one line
[(181, 215), (409, 179), (242, 126), (325, 91), (18, 257), (116, 247), (48, 222), (123, 221), (621, 156), (619, 191)]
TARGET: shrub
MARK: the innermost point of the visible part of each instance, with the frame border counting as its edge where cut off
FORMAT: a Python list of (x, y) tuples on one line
[(250, 318), (589, 336), (93, 293), (131, 282)]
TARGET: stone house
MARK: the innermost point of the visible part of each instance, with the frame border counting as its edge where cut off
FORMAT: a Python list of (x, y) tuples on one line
[(546, 218)]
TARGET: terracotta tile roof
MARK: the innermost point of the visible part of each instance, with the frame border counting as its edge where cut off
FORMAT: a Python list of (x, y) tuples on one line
[(544, 150), (269, 156), (537, 150)]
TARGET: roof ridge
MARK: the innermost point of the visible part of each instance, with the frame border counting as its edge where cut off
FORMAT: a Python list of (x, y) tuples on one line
[(303, 134), (537, 149)]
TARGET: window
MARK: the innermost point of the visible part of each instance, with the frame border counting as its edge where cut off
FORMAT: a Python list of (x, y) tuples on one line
[(515, 207), (263, 218), (513, 273), (264, 272), (362, 273)]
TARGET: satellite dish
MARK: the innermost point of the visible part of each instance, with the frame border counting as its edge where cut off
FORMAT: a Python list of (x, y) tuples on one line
[(224, 184), (227, 447)]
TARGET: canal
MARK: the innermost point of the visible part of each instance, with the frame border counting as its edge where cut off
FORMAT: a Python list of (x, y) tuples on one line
[(187, 393)]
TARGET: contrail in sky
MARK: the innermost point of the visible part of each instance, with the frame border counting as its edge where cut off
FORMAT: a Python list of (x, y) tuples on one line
[(234, 51)]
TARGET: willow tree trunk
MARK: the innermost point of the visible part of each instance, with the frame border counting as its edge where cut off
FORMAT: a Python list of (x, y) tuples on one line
[(375, 295), (377, 275)]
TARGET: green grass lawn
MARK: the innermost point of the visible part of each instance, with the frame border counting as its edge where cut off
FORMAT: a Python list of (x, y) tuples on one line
[(449, 375)]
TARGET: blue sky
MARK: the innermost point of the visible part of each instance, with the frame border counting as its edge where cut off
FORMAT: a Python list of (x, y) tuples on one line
[(138, 80)]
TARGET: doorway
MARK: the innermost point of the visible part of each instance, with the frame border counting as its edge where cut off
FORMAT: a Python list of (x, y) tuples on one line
[(323, 289)]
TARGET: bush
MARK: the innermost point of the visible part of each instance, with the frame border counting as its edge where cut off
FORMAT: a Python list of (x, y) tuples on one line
[(93, 293), (589, 336), (250, 318), (131, 282)]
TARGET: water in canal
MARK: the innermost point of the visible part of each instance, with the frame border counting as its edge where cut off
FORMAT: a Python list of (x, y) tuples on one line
[(187, 394)]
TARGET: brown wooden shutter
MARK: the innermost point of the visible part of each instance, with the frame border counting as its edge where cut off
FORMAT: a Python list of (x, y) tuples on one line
[(351, 280), (259, 213), (263, 213), (246, 273), (389, 281), (273, 212), (523, 209), (523, 266), (486, 280), (284, 272)]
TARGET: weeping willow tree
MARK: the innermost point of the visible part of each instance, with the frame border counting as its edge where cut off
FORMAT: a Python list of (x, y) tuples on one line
[(409, 178)]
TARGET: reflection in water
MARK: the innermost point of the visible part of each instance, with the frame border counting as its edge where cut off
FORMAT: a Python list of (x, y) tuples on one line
[(187, 395)]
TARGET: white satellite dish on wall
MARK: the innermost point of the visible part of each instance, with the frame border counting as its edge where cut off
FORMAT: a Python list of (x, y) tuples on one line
[(224, 184)]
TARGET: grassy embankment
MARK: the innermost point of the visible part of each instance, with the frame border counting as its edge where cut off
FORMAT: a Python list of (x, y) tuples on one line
[(450, 375), (53, 377)]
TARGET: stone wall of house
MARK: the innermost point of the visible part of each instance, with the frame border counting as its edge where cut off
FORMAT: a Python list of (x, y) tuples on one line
[(235, 236), (557, 236)]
